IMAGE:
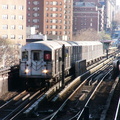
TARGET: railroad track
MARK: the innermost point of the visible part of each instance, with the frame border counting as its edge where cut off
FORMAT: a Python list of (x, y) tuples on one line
[(25, 109), (14, 107), (78, 100), (58, 108)]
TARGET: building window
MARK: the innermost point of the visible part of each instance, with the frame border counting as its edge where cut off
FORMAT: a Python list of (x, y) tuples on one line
[(20, 7), (36, 8), (60, 3), (4, 16), (60, 27), (54, 3), (35, 20), (4, 6), (47, 15), (20, 37), (4, 36), (28, 14), (47, 9), (20, 17), (28, 20), (35, 2), (53, 32), (60, 33), (60, 9), (47, 20), (51, 21), (13, 7), (47, 3), (50, 26), (35, 14), (12, 27), (12, 36), (47, 27), (54, 9), (36, 26), (4, 26), (53, 26), (91, 24), (60, 21), (60, 15), (13, 17), (50, 33), (20, 27)]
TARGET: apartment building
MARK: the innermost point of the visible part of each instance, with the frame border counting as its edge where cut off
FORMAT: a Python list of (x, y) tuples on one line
[(85, 16), (99, 11), (110, 6), (13, 20), (51, 17)]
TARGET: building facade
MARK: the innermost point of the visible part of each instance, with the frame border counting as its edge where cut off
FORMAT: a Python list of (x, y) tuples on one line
[(13, 20), (85, 16), (96, 14), (51, 17), (110, 6)]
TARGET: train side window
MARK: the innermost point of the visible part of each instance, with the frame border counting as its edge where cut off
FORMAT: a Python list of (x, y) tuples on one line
[(25, 56), (36, 56)]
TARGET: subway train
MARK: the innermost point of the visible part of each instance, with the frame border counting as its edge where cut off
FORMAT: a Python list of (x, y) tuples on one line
[(41, 62)]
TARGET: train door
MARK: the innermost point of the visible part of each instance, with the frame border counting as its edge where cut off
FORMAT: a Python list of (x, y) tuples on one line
[(36, 62)]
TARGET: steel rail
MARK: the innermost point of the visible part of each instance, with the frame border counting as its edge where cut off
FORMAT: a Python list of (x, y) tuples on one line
[(117, 110), (51, 117), (81, 113)]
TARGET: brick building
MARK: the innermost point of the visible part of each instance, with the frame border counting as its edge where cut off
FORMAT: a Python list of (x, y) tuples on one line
[(88, 15), (95, 14), (51, 17)]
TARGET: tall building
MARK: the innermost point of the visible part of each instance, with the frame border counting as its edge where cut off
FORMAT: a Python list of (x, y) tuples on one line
[(51, 17), (110, 6), (87, 15), (13, 20)]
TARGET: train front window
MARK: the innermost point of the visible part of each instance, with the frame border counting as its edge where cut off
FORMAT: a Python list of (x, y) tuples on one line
[(25, 56), (36, 56)]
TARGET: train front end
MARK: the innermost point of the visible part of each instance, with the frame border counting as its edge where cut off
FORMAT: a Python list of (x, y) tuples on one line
[(35, 63)]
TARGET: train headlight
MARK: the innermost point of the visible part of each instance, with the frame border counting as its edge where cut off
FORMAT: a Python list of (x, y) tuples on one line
[(27, 71), (45, 71)]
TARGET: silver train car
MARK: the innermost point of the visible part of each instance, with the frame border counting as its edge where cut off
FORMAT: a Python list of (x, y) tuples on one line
[(41, 61)]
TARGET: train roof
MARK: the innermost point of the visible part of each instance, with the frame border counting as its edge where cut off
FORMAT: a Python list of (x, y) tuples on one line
[(58, 44), (85, 43), (42, 44)]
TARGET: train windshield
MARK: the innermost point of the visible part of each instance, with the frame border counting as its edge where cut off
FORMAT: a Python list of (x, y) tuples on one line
[(36, 55), (25, 56)]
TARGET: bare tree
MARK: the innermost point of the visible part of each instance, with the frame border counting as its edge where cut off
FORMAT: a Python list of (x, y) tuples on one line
[(104, 36), (90, 35), (86, 35), (9, 53)]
